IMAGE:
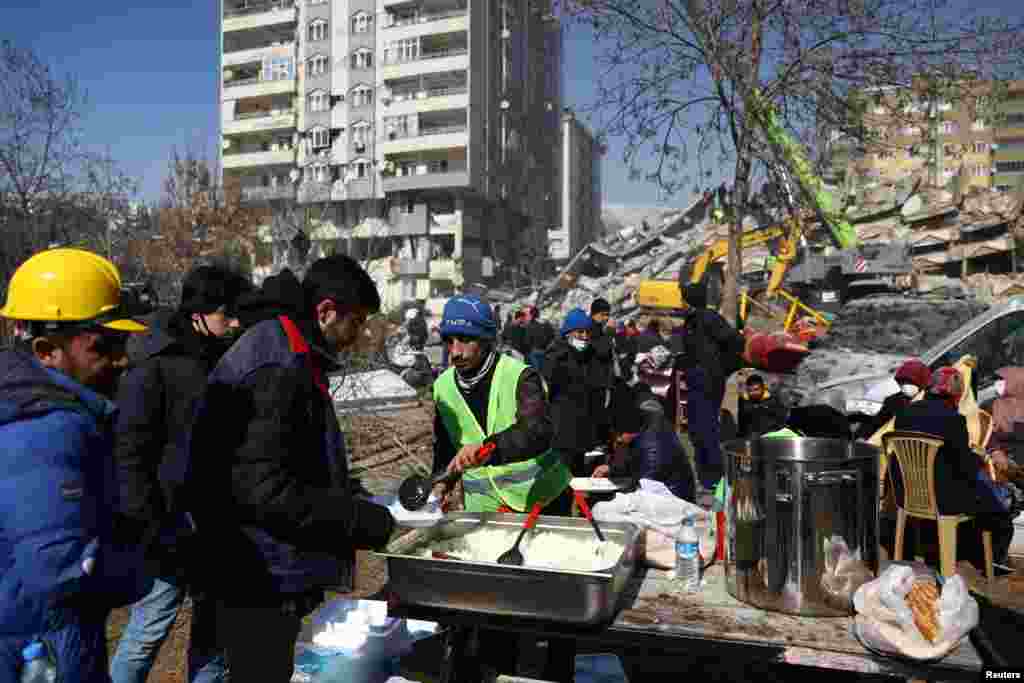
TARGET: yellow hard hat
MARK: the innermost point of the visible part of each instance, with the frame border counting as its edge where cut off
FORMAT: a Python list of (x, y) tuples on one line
[(68, 286)]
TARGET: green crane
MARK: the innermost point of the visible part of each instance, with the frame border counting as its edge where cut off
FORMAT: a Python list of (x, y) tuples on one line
[(808, 183)]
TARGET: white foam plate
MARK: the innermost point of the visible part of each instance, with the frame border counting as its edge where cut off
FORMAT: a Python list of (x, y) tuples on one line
[(596, 484), (429, 515)]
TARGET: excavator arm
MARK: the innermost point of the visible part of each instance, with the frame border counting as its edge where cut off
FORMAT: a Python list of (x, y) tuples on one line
[(809, 184)]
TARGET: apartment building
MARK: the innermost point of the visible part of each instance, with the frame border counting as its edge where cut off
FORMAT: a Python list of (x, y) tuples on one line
[(579, 190), (990, 154), (420, 134)]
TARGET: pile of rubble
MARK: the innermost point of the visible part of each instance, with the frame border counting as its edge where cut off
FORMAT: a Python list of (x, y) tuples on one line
[(948, 234)]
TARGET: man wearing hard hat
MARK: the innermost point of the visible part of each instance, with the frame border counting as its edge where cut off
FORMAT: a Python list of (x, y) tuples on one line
[(60, 569)]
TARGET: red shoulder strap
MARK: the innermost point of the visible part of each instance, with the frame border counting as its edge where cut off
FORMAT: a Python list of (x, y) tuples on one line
[(298, 344)]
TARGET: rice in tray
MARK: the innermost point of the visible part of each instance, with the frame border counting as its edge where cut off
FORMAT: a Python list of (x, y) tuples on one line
[(541, 549)]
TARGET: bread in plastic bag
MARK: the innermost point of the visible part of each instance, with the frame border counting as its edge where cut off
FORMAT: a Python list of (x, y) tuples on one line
[(885, 623)]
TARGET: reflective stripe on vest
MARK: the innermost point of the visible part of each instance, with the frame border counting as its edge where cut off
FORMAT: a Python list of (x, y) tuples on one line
[(517, 485)]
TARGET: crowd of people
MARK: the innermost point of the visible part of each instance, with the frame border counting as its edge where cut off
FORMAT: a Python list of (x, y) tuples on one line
[(199, 454)]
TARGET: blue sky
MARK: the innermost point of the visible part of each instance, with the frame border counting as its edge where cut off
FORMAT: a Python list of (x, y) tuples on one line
[(150, 71)]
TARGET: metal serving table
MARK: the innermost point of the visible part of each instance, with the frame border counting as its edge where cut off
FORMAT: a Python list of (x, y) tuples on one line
[(657, 617)]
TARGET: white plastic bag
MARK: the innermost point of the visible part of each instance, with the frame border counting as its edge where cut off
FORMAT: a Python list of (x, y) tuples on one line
[(659, 513), (844, 573), (885, 623), (894, 585), (958, 611)]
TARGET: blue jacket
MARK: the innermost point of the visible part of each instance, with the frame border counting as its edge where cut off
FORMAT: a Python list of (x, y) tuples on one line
[(269, 485), (57, 508)]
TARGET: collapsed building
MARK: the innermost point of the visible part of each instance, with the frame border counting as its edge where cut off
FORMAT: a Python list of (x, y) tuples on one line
[(960, 243)]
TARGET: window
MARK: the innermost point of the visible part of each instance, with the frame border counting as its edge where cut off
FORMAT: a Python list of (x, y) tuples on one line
[(438, 166), (360, 169), (998, 344), (362, 96), (362, 59), (1014, 119), (320, 137), (317, 66), (279, 69), (403, 50), (361, 133), (318, 29), (361, 22), (318, 173), (1009, 166), (319, 101), (407, 205), (397, 126)]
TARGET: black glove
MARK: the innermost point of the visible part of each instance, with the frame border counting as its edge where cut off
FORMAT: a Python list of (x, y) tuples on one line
[(372, 525)]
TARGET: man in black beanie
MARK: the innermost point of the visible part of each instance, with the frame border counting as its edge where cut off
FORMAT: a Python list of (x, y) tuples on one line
[(712, 350)]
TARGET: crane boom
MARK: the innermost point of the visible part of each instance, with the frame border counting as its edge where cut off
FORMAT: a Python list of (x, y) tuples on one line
[(808, 183)]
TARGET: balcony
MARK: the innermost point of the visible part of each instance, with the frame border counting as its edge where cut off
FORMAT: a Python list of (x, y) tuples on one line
[(450, 59), (255, 55), (253, 122), (441, 137), (250, 159), (433, 99), (405, 266), (425, 178), (256, 86), (259, 15), (263, 194), (442, 269), (445, 21)]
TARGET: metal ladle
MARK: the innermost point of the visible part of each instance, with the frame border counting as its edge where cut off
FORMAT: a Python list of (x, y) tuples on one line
[(414, 492)]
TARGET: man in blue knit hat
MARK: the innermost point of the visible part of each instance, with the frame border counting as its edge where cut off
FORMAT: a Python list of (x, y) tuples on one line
[(491, 398)]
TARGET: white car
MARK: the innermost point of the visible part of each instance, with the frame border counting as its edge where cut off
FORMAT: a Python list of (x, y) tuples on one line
[(995, 338)]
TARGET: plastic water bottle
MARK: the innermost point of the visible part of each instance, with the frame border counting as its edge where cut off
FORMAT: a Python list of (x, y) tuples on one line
[(37, 668), (688, 556)]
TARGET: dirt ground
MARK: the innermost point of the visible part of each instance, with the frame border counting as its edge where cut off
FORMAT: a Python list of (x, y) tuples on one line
[(382, 449)]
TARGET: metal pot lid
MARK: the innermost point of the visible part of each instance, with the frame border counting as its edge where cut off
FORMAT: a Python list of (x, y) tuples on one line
[(802, 449)]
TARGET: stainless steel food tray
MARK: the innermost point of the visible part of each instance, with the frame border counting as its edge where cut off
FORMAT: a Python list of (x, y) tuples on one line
[(586, 598)]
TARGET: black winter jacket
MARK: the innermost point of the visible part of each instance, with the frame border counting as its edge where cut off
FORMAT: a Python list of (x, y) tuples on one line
[(577, 386), (713, 344), (168, 373), (656, 453), (276, 505)]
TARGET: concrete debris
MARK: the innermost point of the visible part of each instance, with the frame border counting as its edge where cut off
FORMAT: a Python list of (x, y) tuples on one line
[(949, 235)]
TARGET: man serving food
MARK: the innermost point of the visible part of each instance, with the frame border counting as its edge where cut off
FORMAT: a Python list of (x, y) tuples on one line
[(490, 398)]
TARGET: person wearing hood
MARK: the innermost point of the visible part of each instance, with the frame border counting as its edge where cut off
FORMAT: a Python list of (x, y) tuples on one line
[(65, 558), (912, 378), (578, 384), (539, 335), (712, 350), (958, 489), (168, 373), (1007, 439), (646, 445), (276, 512)]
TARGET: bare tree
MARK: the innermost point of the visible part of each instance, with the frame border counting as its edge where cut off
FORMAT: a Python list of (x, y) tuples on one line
[(678, 76), (53, 190)]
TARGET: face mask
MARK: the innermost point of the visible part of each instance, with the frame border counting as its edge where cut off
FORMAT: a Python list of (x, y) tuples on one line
[(1000, 387), (579, 344), (909, 390)]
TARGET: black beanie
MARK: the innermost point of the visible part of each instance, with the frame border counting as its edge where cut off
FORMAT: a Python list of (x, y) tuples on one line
[(599, 305)]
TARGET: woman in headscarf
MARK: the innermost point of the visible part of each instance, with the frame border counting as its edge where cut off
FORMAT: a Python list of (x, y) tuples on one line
[(912, 377)]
